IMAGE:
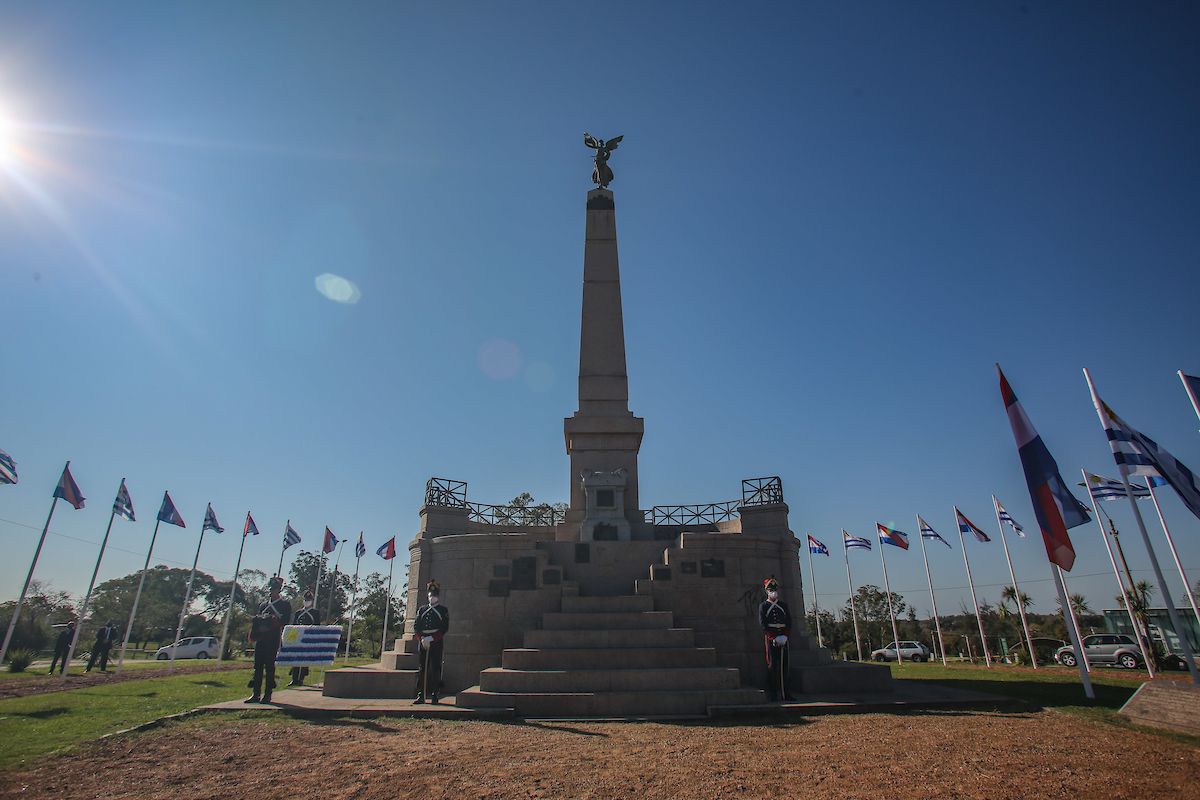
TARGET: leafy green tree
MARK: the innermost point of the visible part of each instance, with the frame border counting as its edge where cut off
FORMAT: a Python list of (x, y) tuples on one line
[(43, 609), (158, 609), (875, 622), (303, 576), (368, 619)]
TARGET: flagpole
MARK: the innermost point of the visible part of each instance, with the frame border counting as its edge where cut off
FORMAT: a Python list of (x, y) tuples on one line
[(1016, 589), (187, 595), (12, 623), (282, 550), (1073, 633), (320, 569), (1172, 613), (333, 584), (138, 597), (1138, 634), (1191, 395), (1062, 576), (850, 583), (1187, 587), (232, 594), (387, 608), (816, 608), (95, 571), (891, 611), (987, 656), (933, 600), (354, 602)]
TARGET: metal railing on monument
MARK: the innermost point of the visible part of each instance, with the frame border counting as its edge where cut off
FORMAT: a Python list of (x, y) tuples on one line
[(755, 492), (447, 493)]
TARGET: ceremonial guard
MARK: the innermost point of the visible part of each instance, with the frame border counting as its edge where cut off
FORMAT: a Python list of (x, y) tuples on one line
[(776, 623), (431, 625), (266, 631), (100, 648), (305, 616), (61, 645)]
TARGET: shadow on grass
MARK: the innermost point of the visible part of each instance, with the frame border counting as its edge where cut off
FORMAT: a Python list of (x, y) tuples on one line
[(45, 713), (349, 722), (216, 684), (1042, 694), (562, 728)]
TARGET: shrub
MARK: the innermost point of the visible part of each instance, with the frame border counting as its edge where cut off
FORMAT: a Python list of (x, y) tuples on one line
[(19, 659)]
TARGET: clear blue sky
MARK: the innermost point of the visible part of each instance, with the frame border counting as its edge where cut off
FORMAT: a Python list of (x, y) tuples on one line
[(832, 222)]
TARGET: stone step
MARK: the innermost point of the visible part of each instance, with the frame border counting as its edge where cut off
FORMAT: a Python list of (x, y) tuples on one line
[(599, 658), (497, 679), (370, 682), (607, 620), (610, 704), (629, 637), (394, 660), (630, 602)]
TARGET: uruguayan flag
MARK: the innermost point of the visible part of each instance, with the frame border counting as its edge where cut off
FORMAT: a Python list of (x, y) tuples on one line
[(1109, 489), (308, 645), (360, 549), (123, 505), (210, 521), (8, 468), (290, 537), (852, 542), (1006, 519), (927, 532)]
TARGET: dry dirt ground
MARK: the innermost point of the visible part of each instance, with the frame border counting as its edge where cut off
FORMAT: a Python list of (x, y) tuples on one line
[(951, 754)]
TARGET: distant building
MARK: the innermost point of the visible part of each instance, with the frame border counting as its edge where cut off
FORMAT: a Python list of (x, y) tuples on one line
[(1117, 621)]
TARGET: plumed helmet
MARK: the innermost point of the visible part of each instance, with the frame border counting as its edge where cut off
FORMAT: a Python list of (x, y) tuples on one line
[(433, 587), (275, 583), (771, 585)]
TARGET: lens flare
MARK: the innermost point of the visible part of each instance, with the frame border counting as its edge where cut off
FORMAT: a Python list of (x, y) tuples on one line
[(338, 289)]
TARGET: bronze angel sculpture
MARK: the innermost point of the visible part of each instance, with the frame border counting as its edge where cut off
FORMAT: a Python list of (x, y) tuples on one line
[(602, 175)]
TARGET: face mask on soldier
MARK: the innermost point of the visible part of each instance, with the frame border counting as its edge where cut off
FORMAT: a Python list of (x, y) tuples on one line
[(433, 599), (772, 595), (308, 603)]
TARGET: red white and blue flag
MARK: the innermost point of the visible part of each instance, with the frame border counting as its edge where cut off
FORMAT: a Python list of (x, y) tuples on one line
[(891, 536), (250, 529), (331, 542), (966, 526), (1055, 507), (387, 550), (8, 468), (816, 548), (68, 489), (168, 513)]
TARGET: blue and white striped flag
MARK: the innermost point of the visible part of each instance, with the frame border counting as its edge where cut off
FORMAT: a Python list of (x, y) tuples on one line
[(210, 521), (1006, 518), (308, 645), (123, 505), (8, 468), (1108, 489), (927, 532), (360, 549), (290, 537), (855, 542)]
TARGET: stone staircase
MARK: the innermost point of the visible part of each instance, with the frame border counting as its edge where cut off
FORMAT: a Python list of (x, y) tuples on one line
[(609, 657)]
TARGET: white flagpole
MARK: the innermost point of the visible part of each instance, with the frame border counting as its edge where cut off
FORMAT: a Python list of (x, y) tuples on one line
[(232, 593), (1016, 589), (333, 584), (187, 595), (1133, 623), (91, 585), (12, 623), (1072, 633), (137, 598), (1172, 613), (387, 608), (283, 549), (320, 569), (933, 600), (354, 602), (1187, 587), (1191, 395), (1074, 620), (816, 608), (987, 657), (850, 583), (891, 611)]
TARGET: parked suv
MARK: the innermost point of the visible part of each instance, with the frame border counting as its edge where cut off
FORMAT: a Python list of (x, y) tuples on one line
[(1104, 648), (911, 651), (194, 647)]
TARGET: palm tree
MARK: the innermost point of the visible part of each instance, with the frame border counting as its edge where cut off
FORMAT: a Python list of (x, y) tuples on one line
[(1079, 605), (1139, 598), (1009, 595)]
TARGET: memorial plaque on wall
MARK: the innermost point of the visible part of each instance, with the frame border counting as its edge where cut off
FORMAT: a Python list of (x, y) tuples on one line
[(524, 574), (712, 568)]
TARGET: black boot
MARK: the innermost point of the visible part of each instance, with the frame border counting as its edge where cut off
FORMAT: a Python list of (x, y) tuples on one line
[(434, 700), (266, 698), (420, 700), (254, 698)]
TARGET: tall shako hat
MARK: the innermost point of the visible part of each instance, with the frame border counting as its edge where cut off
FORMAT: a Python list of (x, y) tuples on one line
[(276, 582), (771, 585), (433, 587)]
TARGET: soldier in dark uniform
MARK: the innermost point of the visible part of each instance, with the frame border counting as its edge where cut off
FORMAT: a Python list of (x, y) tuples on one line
[(431, 625), (776, 623), (266, 631), (61, 645), (100, 647), (305, 616)]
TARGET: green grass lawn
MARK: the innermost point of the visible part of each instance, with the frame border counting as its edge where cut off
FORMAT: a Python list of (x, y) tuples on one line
[(47, 723), (77, 667)]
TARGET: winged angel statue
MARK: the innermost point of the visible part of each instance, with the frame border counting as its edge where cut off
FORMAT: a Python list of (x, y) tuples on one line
[(602, 175)]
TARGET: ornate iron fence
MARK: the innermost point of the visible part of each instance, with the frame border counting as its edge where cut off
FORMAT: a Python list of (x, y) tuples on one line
[(542, 515), (762, 491), (704, 513)]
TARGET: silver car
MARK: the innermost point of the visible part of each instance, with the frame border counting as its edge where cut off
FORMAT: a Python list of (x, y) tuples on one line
[(193, 647), (910, 651), (1104, 648)]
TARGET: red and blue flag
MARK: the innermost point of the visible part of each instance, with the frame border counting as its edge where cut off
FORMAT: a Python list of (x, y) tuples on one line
[(387, 550), (68, 489), (168, 513), (331, 541), (816, 548), (250, 529), (891, 536)]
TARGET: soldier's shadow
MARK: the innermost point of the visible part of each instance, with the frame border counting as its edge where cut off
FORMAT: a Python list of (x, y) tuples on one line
[(561, 728)]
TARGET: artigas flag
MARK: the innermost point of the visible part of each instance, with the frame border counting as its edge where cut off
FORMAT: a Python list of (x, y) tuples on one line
[(68, 489), (1055, 507), (387, 550), (331, 541)]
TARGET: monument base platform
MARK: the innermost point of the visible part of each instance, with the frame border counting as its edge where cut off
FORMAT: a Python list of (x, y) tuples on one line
[(1167, 704), (839, 677)]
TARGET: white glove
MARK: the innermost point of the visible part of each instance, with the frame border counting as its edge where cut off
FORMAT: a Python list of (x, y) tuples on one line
[(781, 639), (426, 640)]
